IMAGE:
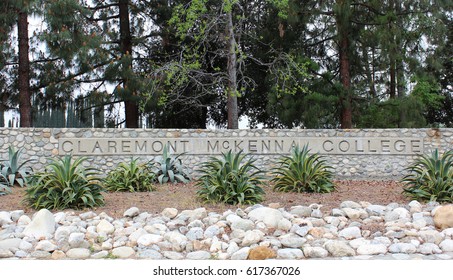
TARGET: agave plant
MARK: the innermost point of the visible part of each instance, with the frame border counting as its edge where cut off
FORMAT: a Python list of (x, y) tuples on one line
[(303, 172), (132, 177), (170, 168), (430, 178), (13, 171), (65, 184), (4, 185), (230, 180)]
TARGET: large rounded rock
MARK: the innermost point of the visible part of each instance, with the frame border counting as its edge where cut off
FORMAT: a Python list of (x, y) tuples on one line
[(12, 243), (105, 227), (41, 226), (339, 248), (78, 253), (269, 216), (123, 252), (443, 217)]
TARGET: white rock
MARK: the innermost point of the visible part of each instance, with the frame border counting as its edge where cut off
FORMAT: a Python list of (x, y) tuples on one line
[(156, 229), (192, 215), (23, 220), (106, 245), (448, 232), (131, 212), (136, 235), (350, 204), (100, 255), (269, 216), (46, 245), (170, 212), (292, 240), (241, 254), (350, 233), (242, 224), (5, 218), (211, 231), (123, 252), (150, 254), (198, 255), (376, 210), (173, 255), (25, 246), (339, 248), (42, 225), (397, 214), (356, 243), (405, 248), (62, 233), (78, 253), (301, 211), (232, 248), (6, 254), (105, 227), (59, 217), (446, 245), (177, 240), (148, 239), (76, 239), (290, 254), (87, 215), (284, 225), (431, 236), (429, 249), (11, 243), (252, 237), (372, 249), (351, 213), (315, 252), (195, 233), (16, 214)]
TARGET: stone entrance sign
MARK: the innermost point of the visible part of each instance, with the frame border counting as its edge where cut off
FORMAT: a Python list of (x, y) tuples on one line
[(253, 145)]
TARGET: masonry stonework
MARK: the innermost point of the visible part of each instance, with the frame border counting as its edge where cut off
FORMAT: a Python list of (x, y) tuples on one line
[(354, 154)]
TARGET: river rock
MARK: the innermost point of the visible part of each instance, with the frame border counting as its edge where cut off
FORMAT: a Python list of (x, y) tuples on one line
[(4, 253), (261, 253), (148, 239), (252, 237), (431, 236), (446, 245), (123, 252), (267, 215), (429, 248), (78, 253), (290, 254), (131, 212), (350, 233), (198, 255), (372, 249), (301, 211), (339, 248), (41, 226), (241, 254), (292, 240), (5, 218), (315, 252), (350, 204), (105, 227), (11, 243), (443, 217), (177, 240), (170, 212), (46, 245)]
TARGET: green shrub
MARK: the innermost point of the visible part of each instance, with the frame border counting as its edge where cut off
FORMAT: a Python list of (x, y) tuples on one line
[(13, 171), (4, 185), (302, 172), (171, 169), (430, 178), (230, 180), (132, 177), (65, 184)]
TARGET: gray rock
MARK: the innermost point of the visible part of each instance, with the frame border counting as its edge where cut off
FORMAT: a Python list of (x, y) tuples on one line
[(40, 255), (284, 225), (177, 240), (195, 233), (267, 215), (16, 214), (41, 226), (20, 254), (25, 246), (198, 255), (4, 253), (76, 240), (99, 255), (339, 248), (173, 255), (156, 229), (11, 243), (150, 254), (350, 233), (292, 240), (351, 213), (136, 235), (46, 245), (232, 248), (376, 210), (315, 252), (446, 245), (5, 218), (242, 224), (211, 231), (290, 254), (337, 212), (131, 212), (123, 252), (301, 211), (62, 233), (397, 214), (78, 253), (87, 215), (192, 215), (241, 254), (372, 249)]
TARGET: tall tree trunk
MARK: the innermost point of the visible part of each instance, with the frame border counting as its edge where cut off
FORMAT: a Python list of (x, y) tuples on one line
[(345, 76), (392, 89), (24, 71), (130, 102), (232, 102)]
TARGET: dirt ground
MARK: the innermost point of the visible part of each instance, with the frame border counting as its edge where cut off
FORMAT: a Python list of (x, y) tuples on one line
[(183, 197)]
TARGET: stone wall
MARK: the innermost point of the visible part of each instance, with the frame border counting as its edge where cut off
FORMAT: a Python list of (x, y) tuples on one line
[(354, 154)]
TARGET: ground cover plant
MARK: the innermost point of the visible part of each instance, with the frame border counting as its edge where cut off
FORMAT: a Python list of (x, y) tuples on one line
[(65, 183), (430, 178), (303, 172), (170, 168), (130, 177), (231, 179)]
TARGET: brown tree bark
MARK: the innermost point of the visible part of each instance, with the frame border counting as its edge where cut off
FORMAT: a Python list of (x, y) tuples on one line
[(232, 101), (130, 102), (24, 71)]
